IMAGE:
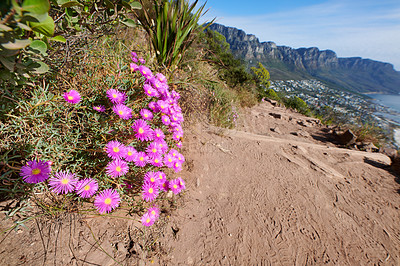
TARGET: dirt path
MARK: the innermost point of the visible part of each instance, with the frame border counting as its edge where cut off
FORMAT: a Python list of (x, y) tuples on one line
[(275, 191), (271, 200)]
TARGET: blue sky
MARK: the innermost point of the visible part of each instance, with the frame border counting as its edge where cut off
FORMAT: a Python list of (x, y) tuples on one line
[(364, 28)]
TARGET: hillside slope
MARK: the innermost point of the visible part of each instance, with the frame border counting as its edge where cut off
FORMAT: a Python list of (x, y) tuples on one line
[(284, 63)]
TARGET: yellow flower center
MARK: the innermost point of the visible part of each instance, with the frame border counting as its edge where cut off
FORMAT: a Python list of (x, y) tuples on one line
[(64, 181), (175, 186), (70, 97), (114, 95), (86, 188), (151, 190), (36, 171), (144, 72), (169, 160), (118, 169), (154, 150), (116, 149), (152, 179), (107, 201), (162, 106), (149, 91), (146, 115), (129, 153), (141, 130), (153, 212), (156, 160), (141, 158), (121, 112), (147, 220), (158, 135)]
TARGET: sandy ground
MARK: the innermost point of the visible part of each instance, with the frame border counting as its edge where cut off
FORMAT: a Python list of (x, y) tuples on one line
[(274, 191)]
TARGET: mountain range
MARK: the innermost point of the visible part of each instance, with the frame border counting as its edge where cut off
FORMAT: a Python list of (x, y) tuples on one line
[(285, 63)]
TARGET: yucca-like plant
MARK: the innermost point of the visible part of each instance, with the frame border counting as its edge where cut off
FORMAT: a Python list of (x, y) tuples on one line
[(171, 25)]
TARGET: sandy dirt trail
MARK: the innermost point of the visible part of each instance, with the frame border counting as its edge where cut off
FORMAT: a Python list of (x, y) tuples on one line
[(258, 199)]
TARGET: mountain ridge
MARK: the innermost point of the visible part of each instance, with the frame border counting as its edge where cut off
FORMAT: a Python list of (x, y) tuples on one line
[(351, 73)]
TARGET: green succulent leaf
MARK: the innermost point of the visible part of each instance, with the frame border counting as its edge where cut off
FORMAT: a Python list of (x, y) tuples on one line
[(135, 5), (46, 27), (68, 3), (5, 28), (42, 68), (24, 26), (36, 6), (7, 63), (39, 46), (59, 38), (17, 44), (129, 23)]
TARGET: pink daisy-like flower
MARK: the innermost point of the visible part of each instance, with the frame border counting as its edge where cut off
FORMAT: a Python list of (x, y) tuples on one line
[(154, 211), (117, 168), (149, 191), (86, 188), (134, 56), (145, 71), (165, 120), (142, 130), (176, 136), (179, 144), (142, 61), (161, 78), (130, 154), (62, 182), (164, 186), (156, 160), (123, 111), (116, 96), (72, 96), (150, 91), (153, 149), (177, 166), (141, 159), (169, 160), (107, 200), (163, 145), (99, 108), (115, 149), (180, 158), (175, 186), (158, 134), (162, 106), (151, 177), (147, 219), (146, 114), (133, 67), (174, 153), (182, 183), (153, 106), (35, 171)]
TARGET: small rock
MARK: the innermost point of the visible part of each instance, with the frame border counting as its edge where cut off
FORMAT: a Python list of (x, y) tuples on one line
[(345, 138), (275, 115), (395, 165), (369, 147), (276, 130), (304, 123)]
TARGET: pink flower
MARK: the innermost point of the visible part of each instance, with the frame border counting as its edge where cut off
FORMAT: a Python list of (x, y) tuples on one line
[(86, 188), (72, 96), (169, 160), (163, 145), (147, 219), (151, 177), (117, 168), (161, 78), (156, 160), (153, 149), (107, 200), (146, 114), (142, 130), (158, 134), (153, 106), (130, 154), (141, 159), (149, 191), (99, 108), (116, 96), (150, 91), (175, 186), (179, 144), (134, 67), (161, 176), (162, 106), (35, 171), (177, 166), (142, 61), (180, 158), (154, 211), (115, 150), (123, 111), (165, 186), (145, 71), (63, 182), (165, 120)]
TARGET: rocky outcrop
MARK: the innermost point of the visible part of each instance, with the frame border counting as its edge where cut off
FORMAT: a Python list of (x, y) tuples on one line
[(355, 73)]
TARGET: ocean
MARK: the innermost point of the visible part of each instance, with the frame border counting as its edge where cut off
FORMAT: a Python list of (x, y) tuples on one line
[(392, 101)]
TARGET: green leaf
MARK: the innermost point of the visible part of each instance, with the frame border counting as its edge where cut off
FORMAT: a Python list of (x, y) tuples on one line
[(68, 3), (135, 5), (8, 53), (59, 38), (17, 44), (129, 23), (43, 68), (5, 28), (24, 26), (39, 46), (45, 27), (7, 63), (109, 4), (36, 6)]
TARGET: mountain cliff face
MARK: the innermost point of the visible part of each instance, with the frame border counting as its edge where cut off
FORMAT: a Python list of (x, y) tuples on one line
[(355, 73)]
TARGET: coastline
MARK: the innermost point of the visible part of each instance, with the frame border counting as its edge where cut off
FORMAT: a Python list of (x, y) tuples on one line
[(397, 136)]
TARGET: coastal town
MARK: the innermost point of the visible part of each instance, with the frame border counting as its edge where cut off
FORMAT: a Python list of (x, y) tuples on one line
[(347, 106)]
